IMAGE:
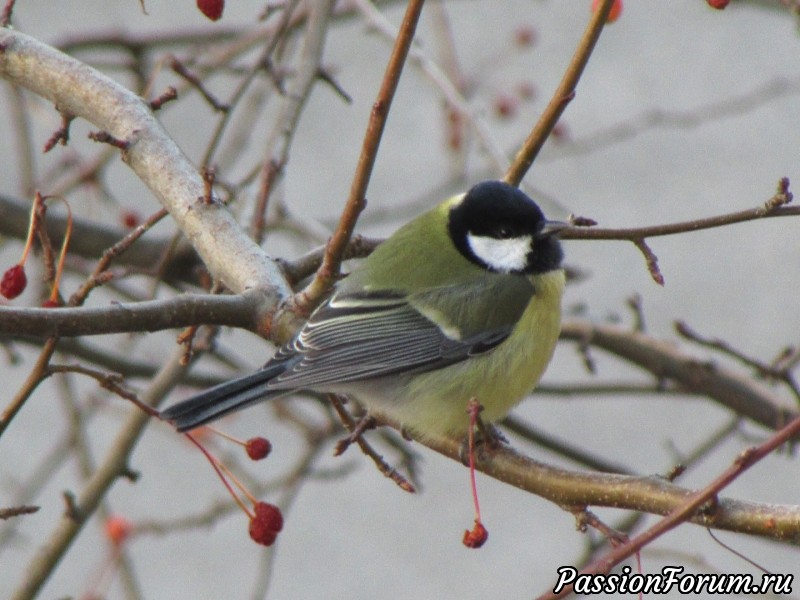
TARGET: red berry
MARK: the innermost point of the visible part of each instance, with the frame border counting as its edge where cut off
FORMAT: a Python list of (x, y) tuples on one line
[(118, 529), (13, 282), (505, 106), (477, 537), (130, 219), (50, 303), (261, 534), (718, 4), (211, 8), (264, 527), (270, 515), (525, 36), (258, 448), (616, 10)]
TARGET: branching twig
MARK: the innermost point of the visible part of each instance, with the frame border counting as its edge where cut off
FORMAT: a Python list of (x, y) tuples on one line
[(152, 155), (692, 507), (89, 239), (109, 381), (279, 141), (449, 89), (385, 468), (16, 511), (109, 470), (638, 233), (780, 373), (275, 37), (651, 494), (664, 360)]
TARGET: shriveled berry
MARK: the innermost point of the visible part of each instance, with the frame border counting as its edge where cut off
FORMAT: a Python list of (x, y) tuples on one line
[(258, 448), (211, 8), (50, 303), (13, 282), (476, 537), (118, 529)]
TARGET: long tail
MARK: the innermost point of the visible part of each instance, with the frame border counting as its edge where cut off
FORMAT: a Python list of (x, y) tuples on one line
[(224, 398)]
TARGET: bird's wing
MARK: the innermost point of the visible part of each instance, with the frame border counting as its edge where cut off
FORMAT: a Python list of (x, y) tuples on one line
[(366, 335)]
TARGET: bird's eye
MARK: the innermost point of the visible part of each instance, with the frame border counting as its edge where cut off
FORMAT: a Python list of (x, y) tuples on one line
[(503, 233)]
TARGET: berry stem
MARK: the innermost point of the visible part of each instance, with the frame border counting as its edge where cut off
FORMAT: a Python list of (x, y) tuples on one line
[(64, 244), (217, 465), (473, 409), (230, 438), (238, 483), (33, 224)]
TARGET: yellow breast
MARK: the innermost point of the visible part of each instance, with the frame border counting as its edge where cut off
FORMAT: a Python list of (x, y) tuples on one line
[(437, 401)]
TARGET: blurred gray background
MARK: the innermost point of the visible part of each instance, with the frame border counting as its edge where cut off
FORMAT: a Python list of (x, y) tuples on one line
[(358, 536)]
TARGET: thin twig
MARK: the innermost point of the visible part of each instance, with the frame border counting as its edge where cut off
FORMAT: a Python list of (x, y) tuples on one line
[(30, 384), (110, 469), (275, 37), (564, 93), (689, 508), (779, 373), (329, 269), (664, 360), (279, 142), (385, 468), (16, 511), (639, 233)]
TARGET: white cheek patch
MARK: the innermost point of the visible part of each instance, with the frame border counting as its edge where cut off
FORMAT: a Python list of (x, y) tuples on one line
[(501, 255)]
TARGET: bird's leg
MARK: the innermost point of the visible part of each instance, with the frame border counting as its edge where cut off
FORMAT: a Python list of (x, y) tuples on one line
[(491, 438)]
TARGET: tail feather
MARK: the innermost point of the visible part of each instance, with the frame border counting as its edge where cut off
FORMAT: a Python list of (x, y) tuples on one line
[(222, 399)]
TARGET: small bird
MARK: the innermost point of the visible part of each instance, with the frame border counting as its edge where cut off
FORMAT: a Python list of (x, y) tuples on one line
[(462, 302)]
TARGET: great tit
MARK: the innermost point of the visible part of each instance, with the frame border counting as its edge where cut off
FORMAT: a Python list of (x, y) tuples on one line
[(462, 302)]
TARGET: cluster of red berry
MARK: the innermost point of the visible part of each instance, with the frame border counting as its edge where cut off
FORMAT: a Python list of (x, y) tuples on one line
[(266, 524)]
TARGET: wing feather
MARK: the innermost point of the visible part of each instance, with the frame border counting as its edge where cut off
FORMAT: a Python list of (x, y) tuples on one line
[(366, 336)]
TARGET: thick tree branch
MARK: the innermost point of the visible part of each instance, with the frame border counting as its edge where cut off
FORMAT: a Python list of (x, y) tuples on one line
[(651, 494), (79, 90), (241, 310)]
